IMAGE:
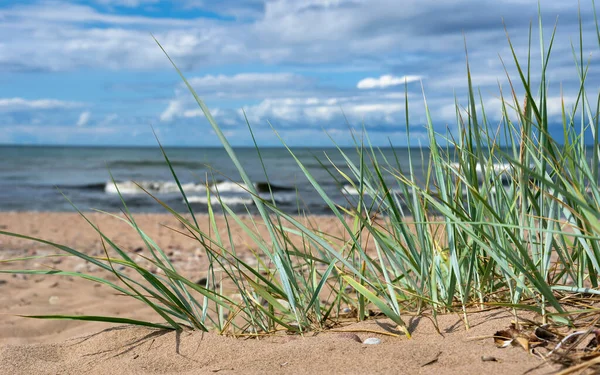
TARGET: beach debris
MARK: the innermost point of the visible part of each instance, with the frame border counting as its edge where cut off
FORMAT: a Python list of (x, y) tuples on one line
[(222, 369), (543, 333), (433, 360), (504, 338), (53, 300), (568, 350), (489, 358), (516, 337), (372, 341), (568, 340), (593, 344)]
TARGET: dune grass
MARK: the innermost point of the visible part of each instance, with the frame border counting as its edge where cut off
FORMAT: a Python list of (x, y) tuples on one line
[(506, 216)]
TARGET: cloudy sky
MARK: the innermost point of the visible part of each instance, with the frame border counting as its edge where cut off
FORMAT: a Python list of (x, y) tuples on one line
[(89, 72)]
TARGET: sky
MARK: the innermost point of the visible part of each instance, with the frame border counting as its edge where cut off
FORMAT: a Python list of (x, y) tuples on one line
[(308, 71)]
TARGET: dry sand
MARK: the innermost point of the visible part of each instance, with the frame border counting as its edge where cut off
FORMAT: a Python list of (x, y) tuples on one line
[(30, 346)]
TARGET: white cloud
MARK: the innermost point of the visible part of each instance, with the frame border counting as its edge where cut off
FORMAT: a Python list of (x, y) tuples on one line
[(385, 81), (127, 3), (56, 35), (84, 117), (327, 111), (74, 14), (20, 104), (245, 80), (173, 110), (238, 86), (108, 119)]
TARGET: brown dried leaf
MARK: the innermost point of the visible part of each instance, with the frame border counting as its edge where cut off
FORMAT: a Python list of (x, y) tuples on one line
[(593, 344), (522, 341), (504, 338), (544, 334)]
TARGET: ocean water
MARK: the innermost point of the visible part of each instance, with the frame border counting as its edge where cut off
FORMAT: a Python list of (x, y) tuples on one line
[(33, 178)]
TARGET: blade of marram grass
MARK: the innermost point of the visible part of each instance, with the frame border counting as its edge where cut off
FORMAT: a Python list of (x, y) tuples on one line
[(277, 255), (104, 319)]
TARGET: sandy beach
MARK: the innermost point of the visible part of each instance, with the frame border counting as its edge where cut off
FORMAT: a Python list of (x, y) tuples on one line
[(67, 347)]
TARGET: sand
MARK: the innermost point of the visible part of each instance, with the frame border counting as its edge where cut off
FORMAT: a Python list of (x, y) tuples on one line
[(67, 347)]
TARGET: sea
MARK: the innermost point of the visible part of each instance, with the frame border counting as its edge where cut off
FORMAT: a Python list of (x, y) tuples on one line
[(43, 178)]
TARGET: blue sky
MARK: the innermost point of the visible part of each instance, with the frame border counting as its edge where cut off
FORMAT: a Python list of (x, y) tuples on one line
[(89, 72)]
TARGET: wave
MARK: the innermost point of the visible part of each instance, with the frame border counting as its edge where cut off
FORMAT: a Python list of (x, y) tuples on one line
[(228, 187), (156, 163), (166, 187), (230, 201), (498, 168), (94, 186), (349, 190), (153, 187), (503, 171)]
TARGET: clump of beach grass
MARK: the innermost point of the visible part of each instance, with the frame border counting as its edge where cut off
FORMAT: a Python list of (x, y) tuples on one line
[(506, 216)]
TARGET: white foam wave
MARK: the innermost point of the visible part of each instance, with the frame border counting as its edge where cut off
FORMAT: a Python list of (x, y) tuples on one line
[(229, 187), (215, 201), (349, 189), (498, 168), (231, 193), (154, 187)]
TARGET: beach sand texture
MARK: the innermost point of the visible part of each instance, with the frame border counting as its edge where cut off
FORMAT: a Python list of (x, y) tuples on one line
[(30, 346)]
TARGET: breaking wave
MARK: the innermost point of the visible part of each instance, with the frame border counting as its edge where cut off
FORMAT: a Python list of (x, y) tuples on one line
[(226, 192)]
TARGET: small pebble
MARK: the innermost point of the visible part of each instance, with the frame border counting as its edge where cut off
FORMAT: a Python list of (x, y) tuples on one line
[(489, 359), (372, 341), (53, 300), (81, 268)]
